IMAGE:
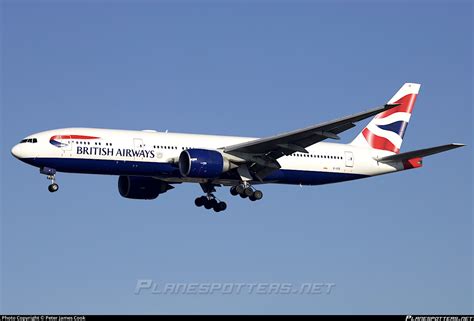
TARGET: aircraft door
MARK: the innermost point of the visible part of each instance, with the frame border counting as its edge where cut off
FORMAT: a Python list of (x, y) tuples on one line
[(66, 145), (138, 148), (349, 157)]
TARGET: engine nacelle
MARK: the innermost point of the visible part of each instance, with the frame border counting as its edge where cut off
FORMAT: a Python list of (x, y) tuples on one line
[(141, 188), (203, 163)]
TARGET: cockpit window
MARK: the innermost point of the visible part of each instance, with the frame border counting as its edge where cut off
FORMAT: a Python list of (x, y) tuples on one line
[(29, 140)]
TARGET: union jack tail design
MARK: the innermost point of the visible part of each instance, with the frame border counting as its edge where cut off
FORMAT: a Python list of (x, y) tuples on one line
[(386, 130)]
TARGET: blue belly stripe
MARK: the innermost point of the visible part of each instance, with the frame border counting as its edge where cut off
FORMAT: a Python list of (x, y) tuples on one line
[(289, 176), (106, 166), (166, 170)]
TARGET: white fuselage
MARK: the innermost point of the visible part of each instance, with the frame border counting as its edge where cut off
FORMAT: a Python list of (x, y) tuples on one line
[(155, 154)]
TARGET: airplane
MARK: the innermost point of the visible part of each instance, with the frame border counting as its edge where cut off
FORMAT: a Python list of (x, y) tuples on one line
[(149, 163)]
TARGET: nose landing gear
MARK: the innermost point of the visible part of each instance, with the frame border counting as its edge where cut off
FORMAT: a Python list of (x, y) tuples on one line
[(50, 175)]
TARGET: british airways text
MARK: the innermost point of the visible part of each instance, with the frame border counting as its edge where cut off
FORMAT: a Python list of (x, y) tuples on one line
[(122, 152)]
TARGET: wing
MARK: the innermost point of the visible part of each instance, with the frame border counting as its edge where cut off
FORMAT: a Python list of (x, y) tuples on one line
[(263, 153)]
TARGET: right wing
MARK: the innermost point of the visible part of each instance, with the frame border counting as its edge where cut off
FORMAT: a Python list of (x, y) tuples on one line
[(262, 154), (297, 141)]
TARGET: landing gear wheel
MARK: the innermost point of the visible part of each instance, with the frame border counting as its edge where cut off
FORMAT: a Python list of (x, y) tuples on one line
[(213, 203), (248, 191), (200, 201), (233, 191), (53, 187), (257, 195), (219, 207), (208, 204), (240, 188), (222, 206)]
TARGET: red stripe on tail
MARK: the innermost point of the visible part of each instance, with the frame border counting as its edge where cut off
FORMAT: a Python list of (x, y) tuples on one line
[(406, 106), (378, 142)]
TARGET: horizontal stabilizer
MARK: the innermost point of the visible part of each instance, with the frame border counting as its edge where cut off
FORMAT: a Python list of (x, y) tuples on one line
[(418, 153)]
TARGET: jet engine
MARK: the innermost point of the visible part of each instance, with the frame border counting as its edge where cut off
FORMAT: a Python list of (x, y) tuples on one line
[(203, 163), (141, 188)]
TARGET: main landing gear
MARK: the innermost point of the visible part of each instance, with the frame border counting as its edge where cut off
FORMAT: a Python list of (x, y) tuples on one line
[(246, 190), (50, 175), (209, 201)]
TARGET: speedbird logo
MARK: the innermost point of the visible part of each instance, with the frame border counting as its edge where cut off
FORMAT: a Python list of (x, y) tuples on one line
[(386, 130), (64, 140), (56, 140)]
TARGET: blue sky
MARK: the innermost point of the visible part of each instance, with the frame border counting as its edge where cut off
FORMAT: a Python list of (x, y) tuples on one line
[(399, 243)]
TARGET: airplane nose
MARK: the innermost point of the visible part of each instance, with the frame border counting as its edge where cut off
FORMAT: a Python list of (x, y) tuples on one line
[(16, 151)]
